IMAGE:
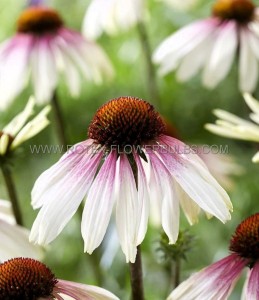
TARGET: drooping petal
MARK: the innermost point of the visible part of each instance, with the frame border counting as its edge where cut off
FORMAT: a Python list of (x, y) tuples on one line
[(44, 71), (194, 178), (128, 210), (248, 66), (222, 55), (82, 291), (62, 197), (213, 282), (6, 212), (99, 204), (252, 291), (14, 57), (4, 142), (170, 214), (15, 243)]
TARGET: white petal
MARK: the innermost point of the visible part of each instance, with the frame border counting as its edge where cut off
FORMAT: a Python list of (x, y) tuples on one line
[(15, 243), (6, 212), (4, 142), (248, 66), (198, 183), (44, 72), (252, 103), (128, 210), (222, 55), (14, 56), (99, 204), (83, 291), (18, 122), (63, 196), (170, 214), (255, 158), (143, 198)]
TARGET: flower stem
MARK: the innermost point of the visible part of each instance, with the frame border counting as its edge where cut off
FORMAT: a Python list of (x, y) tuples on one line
[(151, 72), (59, 120), (136, 278), (177, 271), (12, 194)]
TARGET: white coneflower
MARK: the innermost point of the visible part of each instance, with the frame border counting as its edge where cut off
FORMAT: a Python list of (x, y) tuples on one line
[(127, 146), (211, 44), (41, 49)]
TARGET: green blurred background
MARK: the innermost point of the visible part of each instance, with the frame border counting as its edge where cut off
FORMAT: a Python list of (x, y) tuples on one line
[(188, 106)]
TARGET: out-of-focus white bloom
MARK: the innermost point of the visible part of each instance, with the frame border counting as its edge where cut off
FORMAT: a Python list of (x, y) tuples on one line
[(232, 126), (182, 5), (14, 239), (18, 131), (212, 44), (111, 16), (42, 49)]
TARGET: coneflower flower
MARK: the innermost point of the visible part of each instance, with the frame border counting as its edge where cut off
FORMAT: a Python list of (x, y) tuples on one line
[(211, 44), (234, 127), (111, 16), (29, 279), (218, 280), (126, 149), (41, 49), (14, 238)]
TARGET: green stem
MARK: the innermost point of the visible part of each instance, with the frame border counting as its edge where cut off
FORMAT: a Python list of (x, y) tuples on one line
[(151, 72), (9, 182), (136, 277), (177, 271), (60, 125)]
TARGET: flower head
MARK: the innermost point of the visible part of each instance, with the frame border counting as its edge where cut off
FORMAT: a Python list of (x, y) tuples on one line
[(111, 16), (29, 279), (218, 280), (128, 160), (212, 44), (41, 49), (232, 126), (18, 131), (14, 238)]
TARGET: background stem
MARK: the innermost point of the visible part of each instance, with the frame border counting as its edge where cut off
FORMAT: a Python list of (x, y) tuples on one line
[(136, 278), (12, 194), (59, 121), (151, 72)]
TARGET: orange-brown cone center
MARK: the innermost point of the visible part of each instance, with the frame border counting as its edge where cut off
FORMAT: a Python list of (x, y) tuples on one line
[(245, 241), (126, 121), (39, 20), (25, 279), (239, 10)]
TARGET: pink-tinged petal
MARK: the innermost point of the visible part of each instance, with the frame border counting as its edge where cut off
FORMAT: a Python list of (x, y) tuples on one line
[(62, 198), (175, 47), (163, 180), (252, 291), (248, 65), (143, 198), (80, 291), (44, 70), (99, 204), (128, 210), (55, 173), (214, 282), (14, 56), (194, 178), (222, 55), (15, 243)]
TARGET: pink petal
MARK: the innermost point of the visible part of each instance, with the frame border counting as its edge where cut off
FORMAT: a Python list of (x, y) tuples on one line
[(252, 291)]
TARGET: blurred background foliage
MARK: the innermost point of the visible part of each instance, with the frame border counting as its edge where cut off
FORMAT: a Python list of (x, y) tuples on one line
[(188, 106)]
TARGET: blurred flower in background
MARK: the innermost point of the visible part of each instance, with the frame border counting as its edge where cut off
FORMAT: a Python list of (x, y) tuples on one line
[(218, 280), (14, 238), (126, 149), (111, 16), (232, 126), (26, 278), (212, 44), (19, 130), (43, 47)]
